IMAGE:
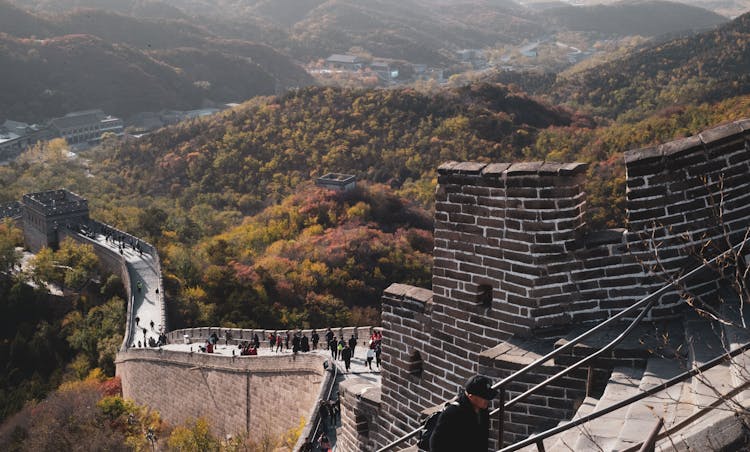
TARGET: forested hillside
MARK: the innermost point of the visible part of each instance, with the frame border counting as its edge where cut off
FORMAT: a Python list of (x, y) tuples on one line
[(258, 154), (318, 258), (706, 67), (45, 338)]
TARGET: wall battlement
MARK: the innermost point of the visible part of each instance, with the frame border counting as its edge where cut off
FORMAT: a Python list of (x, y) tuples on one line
[(10, 210), (513, 263)]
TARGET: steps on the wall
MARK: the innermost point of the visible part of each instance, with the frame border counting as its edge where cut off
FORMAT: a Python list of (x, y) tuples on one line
[(704, 342), (640, 417), (623, 383), (566, 441), (694, 418), (735, 335), (720, 427)]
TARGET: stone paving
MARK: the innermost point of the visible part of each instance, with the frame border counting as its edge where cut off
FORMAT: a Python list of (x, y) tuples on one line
[(147, 300)]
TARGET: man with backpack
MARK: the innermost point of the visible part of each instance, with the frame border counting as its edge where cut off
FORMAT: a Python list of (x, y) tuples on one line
[(464, 425)]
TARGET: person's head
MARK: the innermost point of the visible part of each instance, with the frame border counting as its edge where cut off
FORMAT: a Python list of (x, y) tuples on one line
[(479, 392)]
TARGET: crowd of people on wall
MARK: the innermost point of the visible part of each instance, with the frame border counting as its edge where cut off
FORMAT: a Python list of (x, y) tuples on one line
[(157, 338), (299, 342)]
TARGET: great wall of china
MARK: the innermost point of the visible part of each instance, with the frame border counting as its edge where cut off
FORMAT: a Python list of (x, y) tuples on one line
[(516, 275)]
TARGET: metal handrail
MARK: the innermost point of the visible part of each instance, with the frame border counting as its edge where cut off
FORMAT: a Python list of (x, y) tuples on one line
[(582, 362), (646, 302), (623, 403), (500, 385), (314, 433), (650, 443)]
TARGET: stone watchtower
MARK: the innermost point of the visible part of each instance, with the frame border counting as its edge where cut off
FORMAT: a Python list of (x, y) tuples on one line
[(46, 214), (504, 237)]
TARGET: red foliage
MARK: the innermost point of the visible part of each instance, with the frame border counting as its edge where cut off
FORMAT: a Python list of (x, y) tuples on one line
[(111, 387)]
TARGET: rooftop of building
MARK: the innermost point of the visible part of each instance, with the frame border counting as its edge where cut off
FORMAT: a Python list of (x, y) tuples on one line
[(78, 119), (55, 201)]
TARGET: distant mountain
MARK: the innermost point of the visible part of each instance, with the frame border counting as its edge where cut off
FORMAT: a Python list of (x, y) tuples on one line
[(221, 76), (709, 66), (96, 59), (645, 18), (50, 77), (253, 155), (18, 22), (137, 32), (153, 9), (420, 31)]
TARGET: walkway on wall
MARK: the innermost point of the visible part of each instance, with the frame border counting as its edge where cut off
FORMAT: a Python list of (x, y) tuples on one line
[(358, 364), (148, 312)]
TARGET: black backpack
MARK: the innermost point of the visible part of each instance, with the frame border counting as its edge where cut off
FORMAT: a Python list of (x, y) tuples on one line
[(428, 427)]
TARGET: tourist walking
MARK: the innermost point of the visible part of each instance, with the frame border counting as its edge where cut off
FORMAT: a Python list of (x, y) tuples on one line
[(324, 443), (378, 352), (329, 335), (465, 426), (346, 355), (340, 346), (370, 356), (315, 339), (333, 346)]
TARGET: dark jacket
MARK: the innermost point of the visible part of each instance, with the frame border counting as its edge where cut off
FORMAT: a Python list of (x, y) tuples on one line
[(459, 428)]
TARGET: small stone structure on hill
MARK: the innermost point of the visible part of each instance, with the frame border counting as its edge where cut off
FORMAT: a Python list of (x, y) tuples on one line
[(337, 181), (515, 269)]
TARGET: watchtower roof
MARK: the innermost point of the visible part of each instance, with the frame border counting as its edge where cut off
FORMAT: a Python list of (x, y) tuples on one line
[(53, 202)]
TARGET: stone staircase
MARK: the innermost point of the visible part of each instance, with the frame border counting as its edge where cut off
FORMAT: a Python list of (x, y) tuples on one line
[(694, 413)]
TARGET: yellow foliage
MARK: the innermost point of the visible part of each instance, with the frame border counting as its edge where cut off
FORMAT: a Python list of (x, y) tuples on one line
[(359, 210), (96, 376), (193, 437)]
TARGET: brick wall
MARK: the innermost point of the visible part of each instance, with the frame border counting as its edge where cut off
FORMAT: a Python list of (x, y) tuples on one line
[(504, 234), (682, 193), (260, 395), (360, 403), (540, 411), (407, 387)]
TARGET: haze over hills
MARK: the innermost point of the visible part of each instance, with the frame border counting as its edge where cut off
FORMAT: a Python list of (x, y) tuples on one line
[(421, 31)]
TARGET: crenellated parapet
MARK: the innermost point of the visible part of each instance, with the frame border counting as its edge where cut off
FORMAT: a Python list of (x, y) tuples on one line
[(686, 193), (504, 237)]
